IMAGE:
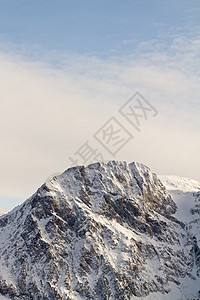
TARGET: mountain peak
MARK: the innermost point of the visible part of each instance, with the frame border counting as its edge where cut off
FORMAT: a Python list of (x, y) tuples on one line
[(105, 231)]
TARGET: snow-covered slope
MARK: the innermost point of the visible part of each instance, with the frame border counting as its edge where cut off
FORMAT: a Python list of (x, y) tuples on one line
[(186, 193), (3, 211), (3, 298), (107, 231)]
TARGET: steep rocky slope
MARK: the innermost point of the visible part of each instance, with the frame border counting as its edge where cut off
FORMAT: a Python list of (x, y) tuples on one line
[(102, 232)]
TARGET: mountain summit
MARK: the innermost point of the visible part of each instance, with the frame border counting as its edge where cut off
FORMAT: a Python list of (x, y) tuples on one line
[(106, 231)]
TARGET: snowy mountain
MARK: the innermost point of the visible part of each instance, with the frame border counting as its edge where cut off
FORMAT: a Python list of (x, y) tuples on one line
[(186, 193), (106, 231)]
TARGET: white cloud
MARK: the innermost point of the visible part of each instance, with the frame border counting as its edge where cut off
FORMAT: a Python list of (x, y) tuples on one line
[(48, 112)]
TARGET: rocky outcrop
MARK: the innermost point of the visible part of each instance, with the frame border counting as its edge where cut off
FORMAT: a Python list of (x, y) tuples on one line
[(105, 231)]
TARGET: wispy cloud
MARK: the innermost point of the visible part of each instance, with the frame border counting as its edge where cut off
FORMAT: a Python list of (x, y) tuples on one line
[(50, 106)]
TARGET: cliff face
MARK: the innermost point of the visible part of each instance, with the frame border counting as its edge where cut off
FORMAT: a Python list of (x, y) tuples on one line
[(102, 232)]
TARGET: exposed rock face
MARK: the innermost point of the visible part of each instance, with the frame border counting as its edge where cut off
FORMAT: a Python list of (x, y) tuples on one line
[(102, 232)]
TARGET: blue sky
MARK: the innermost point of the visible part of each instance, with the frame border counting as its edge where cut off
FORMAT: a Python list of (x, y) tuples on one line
[(103, 28), (66, 67)]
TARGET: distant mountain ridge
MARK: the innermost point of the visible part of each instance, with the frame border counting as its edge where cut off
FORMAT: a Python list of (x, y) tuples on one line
[(106, 231), (3, 211)]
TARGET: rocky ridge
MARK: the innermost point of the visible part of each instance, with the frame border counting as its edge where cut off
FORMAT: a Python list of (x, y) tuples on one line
[(106, 231)]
